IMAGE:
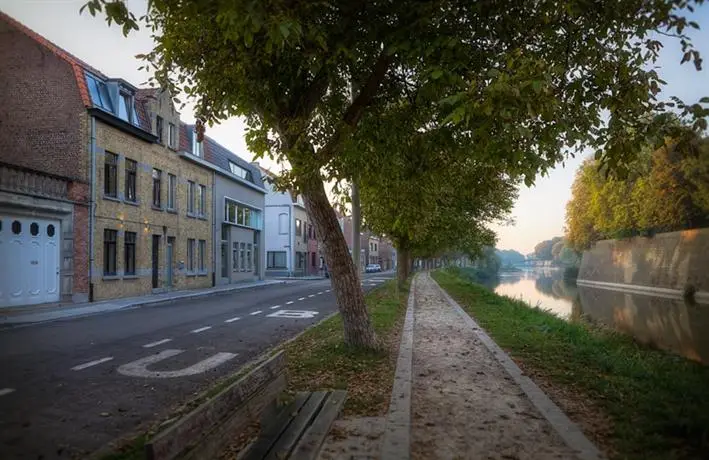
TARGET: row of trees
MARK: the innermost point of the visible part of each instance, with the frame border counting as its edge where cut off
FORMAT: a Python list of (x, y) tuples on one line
[(665, 189), (557, 250), (437, 109)]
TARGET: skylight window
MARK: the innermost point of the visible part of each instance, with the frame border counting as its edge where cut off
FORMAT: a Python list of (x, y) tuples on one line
[(125, 107), (99, 93), (241, 172)]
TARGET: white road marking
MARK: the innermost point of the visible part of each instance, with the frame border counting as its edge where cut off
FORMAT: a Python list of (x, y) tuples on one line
[(231, 320), (155, 344), (275, 306), (201, 329), (297, 314), (327, 290), (289, 302), (139, 368), (6, 391), (311, 295), (319, 292), (302, 298), (257, 312), (91, 363)]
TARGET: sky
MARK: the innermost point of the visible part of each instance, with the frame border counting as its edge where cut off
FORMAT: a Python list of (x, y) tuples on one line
[(539, 211)]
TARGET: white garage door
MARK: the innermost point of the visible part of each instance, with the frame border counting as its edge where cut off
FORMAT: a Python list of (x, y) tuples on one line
[(29, 258)]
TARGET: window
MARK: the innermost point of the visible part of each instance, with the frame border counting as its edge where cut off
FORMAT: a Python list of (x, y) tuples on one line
[(16, 227), (110, 175), (109, 252), (313, 262), (50, 230), (34, 229), (190, 198), (301, 260), (298, 227), (131, 180), (249, 264), (235, 257), (276, 259), (202, 255), (241, 172), (242, 256), (236, 213), (283, 224), (157, 192), (197, 147), (130, 253), (171, 191), (202, 200), (190, 255), (125, 107), (159, 128), (310, 231), (99, 93), (171, 138)]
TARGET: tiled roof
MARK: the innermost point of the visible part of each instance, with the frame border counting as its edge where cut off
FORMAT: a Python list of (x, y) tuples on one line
[(217, 154), (78, 66)]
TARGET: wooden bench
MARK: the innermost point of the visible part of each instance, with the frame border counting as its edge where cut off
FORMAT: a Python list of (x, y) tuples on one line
[(253, 403)]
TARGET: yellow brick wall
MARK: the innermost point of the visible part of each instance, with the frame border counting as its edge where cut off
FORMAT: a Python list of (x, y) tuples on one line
[(146, 221)]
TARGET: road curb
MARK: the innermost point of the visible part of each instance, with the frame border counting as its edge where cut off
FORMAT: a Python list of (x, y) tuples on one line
[(396, 444), (6, 325), (568, 430)]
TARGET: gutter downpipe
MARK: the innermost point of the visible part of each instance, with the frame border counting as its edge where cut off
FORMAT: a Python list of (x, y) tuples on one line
[(92, 204), (214, 230)]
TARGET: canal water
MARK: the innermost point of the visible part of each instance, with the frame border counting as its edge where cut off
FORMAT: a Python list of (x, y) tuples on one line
[(669, 324)]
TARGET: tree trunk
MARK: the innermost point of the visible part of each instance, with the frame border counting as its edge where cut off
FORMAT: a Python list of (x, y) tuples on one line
[(403, 266), (344, 275)]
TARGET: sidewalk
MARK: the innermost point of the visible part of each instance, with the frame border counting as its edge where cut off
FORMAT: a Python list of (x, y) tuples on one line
[(40, 314), (467, 397)]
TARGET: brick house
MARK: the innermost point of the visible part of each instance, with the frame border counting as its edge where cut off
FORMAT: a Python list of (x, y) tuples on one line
[(65, 126), (152, 225), (44, 171)]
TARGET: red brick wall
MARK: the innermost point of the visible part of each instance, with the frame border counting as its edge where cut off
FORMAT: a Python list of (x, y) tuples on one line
[(79, 193), (40, 113)]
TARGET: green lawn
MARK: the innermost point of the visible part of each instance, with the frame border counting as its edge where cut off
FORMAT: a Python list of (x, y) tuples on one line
[(657, 403), (319, 359)]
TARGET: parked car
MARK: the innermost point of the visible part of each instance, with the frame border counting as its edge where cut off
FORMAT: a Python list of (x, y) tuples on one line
[(372, 268)]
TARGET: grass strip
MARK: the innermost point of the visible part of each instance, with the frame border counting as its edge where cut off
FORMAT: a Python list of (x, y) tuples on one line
[(319, 359), (656, 402)]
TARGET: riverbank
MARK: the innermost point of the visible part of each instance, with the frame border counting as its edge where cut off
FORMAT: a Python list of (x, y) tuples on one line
[(634, 402)]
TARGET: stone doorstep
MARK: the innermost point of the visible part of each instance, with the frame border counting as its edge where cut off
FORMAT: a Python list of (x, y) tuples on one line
[(49, 312)]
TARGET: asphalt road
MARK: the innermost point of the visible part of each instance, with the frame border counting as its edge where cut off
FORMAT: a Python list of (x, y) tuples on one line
[(70, 387)]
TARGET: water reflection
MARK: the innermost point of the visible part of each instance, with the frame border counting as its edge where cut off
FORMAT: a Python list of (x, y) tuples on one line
[(665, 323)]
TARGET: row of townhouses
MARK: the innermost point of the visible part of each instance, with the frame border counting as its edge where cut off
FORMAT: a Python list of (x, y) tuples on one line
[(373, 249), (106, 193)]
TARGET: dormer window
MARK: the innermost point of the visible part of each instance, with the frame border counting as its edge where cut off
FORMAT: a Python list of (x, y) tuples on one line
[(197, 147), (125, 107), (241, 172), (99, 93)]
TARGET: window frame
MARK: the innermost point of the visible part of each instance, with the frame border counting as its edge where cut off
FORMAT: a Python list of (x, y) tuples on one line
[(271, 258), (298, 227), (240, 171), (110, 174), (171, 192), (190, 255), (284, 230), (190, 197), (171, 135), (131, 185), (110, 241), (202, 200), (159, 128), (125, 100), (202, 256), (157, 188), (129, 244)]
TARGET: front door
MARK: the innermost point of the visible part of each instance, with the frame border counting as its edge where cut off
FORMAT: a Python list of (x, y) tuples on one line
[(156, 260), (170, 249)]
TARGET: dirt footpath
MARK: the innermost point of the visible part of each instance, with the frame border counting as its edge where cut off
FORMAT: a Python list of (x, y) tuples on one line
[(464, 404)]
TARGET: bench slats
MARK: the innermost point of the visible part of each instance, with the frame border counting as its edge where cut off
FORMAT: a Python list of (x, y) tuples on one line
[(295, 429), (274, 429), (312, 440)]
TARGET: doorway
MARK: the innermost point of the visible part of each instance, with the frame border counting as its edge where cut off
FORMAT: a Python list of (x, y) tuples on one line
[(170, 256), (156, 260)]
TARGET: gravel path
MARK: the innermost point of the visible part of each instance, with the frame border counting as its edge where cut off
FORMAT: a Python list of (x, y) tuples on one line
[(464, 404)]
